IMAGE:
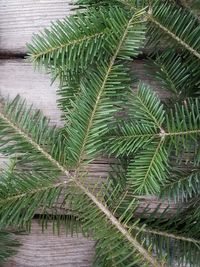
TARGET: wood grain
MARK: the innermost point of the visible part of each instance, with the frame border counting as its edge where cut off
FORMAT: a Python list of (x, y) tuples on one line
[(20, 18), (46, 249), (19, 77)]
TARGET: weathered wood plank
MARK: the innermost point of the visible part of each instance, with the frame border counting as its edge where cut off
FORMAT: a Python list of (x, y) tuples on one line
[(19, 77), (46, 249), (20, 18)]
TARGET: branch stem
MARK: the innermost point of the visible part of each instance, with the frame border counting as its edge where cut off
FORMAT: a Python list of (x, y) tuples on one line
[(65, 45), (174, 36)]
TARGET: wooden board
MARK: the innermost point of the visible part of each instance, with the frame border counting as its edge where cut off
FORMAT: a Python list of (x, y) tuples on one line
[(47, 249), (19, 19), (19, 77)]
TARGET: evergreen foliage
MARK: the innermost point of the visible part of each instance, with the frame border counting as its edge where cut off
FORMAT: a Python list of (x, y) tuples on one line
[(88, 54)]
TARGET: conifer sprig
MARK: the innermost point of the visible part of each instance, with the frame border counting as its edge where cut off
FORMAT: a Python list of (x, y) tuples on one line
[(29, 193), (148, 145), (88, 53)]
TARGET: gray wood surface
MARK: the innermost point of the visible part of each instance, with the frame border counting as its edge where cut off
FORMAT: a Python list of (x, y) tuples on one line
[(41, 249), (19, 19), (19, 77)]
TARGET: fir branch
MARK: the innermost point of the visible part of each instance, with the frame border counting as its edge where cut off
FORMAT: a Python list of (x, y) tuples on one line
[(65, 45), (129, 137), (156, 135), (147, 107), (147, 230), (32, 192), (172, 74), (31, 141), (107, 35), (119, 226), (148, 170), (181, 186), (69, 41), (149, 147), (92, 124), (175, 37), (157, 15), (183, 30), (7, 218), (69, 90), (179, 127)]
